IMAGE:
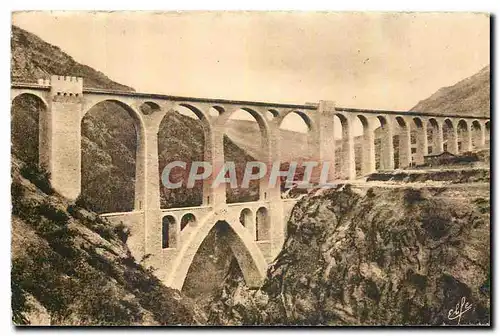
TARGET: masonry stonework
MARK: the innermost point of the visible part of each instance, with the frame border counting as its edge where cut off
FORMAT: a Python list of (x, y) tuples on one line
[(67, 102)]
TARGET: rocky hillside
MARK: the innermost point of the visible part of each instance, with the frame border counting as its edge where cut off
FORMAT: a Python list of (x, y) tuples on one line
[(372, 257), (469, 96), (69, 267), (108, 144)]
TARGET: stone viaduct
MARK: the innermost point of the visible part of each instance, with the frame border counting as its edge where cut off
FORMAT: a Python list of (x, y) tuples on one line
[(256, 229)]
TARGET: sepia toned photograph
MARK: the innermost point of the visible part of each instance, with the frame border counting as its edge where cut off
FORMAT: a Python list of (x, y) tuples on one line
[(250, 168)]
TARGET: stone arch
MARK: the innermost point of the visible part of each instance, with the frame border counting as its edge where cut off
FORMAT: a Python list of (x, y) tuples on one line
[(294, 142), (247, 220), (418, 140), (17, 93), (449, 136), (188, 219), (305, 118), (196, 127), (402, 159), (259, 118), (29, 132), (258, 147), (250, 258), (433, 136), (216, 110), (364, 156), (401, 122), (262, 224), (271, 114), (385, 149), (463, 136), (476, 134), (344, 155), (199, 112), (148, 108), (136, 115), (246, 217), (140, 150), (169, 236)]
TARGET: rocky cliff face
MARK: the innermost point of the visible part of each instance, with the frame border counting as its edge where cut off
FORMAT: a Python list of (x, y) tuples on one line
[(372, 257)]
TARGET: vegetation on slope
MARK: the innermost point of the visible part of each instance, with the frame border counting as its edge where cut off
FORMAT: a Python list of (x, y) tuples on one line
[(70, 267)]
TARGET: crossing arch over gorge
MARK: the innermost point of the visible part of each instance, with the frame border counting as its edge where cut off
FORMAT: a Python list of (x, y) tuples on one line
[(250, 258)]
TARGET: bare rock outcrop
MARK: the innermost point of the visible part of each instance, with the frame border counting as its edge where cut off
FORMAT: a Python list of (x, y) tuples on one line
[(383, 257)]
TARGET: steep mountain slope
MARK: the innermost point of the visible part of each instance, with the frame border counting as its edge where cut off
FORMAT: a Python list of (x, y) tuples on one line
[(70, 267), (469, 96), (33, 58)]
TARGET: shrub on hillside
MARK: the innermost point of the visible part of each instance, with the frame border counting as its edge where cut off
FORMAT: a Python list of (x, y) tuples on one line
[(50, 212), (122, 232), (85, 203), (38, 176)]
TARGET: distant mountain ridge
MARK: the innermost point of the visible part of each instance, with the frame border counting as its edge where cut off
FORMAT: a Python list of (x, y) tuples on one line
[(470, 96)]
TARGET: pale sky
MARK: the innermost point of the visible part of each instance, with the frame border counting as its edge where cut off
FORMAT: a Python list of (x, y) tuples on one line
[(379, 61)]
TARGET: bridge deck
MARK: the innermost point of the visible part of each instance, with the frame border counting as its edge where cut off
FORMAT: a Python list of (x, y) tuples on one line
[(247, 103)]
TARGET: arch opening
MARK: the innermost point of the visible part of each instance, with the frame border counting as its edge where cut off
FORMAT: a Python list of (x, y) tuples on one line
[(418, 141), (363, 146), (402, 141), (27, 111), (384, 147), (262, 224), (295, 145), (463, 136), (215, 111), (476, 135), (433, 137), (183, 135), (245, 140), (449, 136), (222, 250), (188, 219), (295, 121), (341, 133), (169, 232), (246, 217), (148, 108), (110, 148), (271, 114)]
